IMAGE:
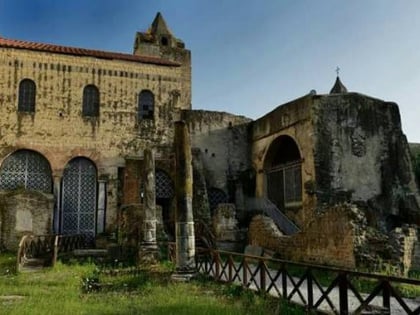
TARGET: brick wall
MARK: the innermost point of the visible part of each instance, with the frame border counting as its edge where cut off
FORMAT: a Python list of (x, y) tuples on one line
[(328, 239)]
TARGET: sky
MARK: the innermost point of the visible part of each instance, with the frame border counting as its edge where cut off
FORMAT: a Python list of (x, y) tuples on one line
[(249, 56)]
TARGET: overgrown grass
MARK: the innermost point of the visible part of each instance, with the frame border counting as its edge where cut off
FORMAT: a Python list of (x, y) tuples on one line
[(65, 289)]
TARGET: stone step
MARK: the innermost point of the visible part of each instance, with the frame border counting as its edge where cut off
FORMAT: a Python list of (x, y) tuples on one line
[(34, 262)]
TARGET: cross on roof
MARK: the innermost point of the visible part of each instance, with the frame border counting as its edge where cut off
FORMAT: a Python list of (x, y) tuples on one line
[(337, 70)]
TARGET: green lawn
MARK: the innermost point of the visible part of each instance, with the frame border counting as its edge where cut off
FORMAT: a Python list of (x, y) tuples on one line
[(71, 289)]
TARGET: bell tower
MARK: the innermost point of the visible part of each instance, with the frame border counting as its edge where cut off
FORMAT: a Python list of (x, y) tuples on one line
[(159, 41)]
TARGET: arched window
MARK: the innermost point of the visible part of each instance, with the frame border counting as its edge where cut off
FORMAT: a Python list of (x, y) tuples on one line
[(90, 101), (27, 92), (282, 167), (146, 105), (26, 169)]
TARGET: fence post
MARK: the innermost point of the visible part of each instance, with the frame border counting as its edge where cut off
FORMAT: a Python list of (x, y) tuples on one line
[(386, 295), (284, 280), (245, 272), (262, 276), (230, 268), (217, 262), (309, 281), (343, 287)]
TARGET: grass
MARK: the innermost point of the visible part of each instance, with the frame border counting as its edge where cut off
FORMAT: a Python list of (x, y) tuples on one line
[(85, 289)]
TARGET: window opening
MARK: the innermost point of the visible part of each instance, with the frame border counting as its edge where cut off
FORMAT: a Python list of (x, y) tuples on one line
[(90, 101), (27, 92)]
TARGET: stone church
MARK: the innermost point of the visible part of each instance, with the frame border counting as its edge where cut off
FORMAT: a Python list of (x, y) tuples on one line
[(313, 176)]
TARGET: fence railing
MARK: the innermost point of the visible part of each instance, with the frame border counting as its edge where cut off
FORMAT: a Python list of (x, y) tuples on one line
[(325, 289), (45, 249)]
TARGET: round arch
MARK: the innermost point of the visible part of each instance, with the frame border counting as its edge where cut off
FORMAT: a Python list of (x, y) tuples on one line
[(26, 169), (282, 150), (283, 173), (79, 197)]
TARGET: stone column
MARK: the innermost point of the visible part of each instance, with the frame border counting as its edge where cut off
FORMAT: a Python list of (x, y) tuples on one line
[(57, 205), (100, 221), (148, 248), (184, 221)]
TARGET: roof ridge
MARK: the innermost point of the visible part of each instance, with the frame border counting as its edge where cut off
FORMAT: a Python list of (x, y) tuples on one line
[(78, 51)]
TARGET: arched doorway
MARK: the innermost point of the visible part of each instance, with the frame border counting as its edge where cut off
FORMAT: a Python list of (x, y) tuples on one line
[(79, 196), (164, 197), (26, 169), (282, 167)]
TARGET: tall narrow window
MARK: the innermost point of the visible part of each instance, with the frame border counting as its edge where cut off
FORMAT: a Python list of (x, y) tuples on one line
[(90, 101), (27, 91), (146, 105)]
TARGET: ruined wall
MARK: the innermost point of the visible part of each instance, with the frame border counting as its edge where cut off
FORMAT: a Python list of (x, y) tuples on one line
[(292, 119), (223, 141), (24, 212), (361, 155), (264, 232), (57, 129), (327, 240)]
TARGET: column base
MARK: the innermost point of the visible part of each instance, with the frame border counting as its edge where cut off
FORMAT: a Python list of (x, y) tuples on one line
[(184, 276), (148, 254)]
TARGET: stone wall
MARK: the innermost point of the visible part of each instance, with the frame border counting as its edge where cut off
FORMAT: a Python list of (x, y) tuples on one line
[(406, 245), (327, 240), (362, 155), (222, 139), (58, 130), (24, 212), (292, 119), (264, 232)]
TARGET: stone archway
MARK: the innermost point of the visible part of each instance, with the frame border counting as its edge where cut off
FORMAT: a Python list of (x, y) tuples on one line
[(283, 173)]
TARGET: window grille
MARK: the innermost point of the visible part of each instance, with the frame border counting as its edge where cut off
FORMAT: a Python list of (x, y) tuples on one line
[(79, 198), (90, 101), (26, 169), (27, 92), (284, 185), (164, 185), (146, 105), (216, 196)]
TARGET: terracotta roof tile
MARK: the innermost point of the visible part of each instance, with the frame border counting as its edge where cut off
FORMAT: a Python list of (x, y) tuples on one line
[(20, 44)]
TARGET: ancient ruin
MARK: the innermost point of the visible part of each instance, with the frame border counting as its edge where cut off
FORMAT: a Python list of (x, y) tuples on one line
[(88, 146)]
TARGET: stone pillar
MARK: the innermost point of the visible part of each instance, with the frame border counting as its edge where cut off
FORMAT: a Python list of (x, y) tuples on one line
[(57, 204), (148, 248), (100, 221), (184, 221)]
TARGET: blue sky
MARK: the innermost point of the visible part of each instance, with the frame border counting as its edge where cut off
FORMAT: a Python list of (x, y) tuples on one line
[(250, 56)]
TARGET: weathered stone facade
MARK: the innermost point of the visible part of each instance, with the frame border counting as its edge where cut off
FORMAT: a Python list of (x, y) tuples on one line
[(57, 128), (348, 148), (75, 124)]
